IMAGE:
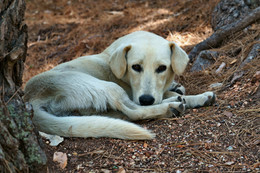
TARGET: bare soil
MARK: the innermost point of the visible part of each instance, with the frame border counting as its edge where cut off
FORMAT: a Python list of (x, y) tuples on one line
[(224, 137)]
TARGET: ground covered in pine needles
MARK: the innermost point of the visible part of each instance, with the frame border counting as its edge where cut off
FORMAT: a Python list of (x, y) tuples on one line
[(224, 137)]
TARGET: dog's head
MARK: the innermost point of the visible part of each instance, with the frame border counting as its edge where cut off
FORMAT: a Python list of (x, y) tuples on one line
[(148, 66)]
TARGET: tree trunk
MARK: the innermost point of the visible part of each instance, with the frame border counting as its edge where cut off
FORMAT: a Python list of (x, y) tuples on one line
[(19, 146)]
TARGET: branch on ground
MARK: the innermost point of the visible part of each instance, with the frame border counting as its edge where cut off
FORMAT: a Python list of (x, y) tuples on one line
[(215, 39)]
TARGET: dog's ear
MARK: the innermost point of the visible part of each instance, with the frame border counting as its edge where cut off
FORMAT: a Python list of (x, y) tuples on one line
[(179, 58), (117, 61)]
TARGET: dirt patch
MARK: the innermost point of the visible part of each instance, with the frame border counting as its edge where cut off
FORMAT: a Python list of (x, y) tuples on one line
[(223, 137)]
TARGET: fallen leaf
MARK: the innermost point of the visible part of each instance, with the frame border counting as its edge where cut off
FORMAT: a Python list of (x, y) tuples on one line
[(121, 170), (145, 145), (232, 103), (61, 158), (54, 139), (180, 146), (233, 62), (105, 171), (216, 85), (256, 165)]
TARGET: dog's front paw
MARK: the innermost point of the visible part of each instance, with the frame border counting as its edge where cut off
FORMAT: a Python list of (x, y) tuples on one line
[(178, 110), (178, 88), (211, 98), (208, 99)]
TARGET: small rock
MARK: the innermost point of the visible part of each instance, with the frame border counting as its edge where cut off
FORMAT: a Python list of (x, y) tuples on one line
[(220, 68), (79, 167), (228, 114), (216, 85), (229, 148), (230, 163)]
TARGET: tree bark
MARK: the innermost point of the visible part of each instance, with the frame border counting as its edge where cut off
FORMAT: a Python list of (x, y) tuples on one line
[(20, 149)]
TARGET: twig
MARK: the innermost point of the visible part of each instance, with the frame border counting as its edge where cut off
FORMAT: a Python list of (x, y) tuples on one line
[(224, 152), (176, 144), (12, 96), (200, 154), (109, 156), (170, 118), (250, 110)]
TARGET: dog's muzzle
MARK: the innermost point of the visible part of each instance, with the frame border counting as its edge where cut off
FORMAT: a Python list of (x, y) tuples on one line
[(146, 100)]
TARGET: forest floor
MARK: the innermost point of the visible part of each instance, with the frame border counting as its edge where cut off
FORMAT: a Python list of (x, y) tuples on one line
[(224, 137)]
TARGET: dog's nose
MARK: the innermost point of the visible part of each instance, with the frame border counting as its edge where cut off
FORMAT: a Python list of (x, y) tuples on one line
[(146, 100)]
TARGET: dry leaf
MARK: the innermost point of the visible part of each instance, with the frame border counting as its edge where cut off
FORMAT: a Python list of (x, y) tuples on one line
[(61, 158), (121, 170), (256, 165), (145, 145), (233, 62), (105, 171), (180, 146), (54, 139)]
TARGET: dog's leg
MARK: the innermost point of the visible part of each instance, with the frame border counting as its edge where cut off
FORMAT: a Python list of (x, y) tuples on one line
[(192, 101), (176, 92), (200, 100), (137, 112), (120, 101), (61, 96), (82, 92)]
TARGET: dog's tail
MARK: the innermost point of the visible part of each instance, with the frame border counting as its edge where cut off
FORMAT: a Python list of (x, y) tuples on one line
[(88, 126)]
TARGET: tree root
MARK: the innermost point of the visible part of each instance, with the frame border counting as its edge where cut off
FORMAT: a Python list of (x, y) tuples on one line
[(215, 39)]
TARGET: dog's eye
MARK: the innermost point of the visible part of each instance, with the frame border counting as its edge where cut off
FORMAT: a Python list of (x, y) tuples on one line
[(137, 67), (161, 68)]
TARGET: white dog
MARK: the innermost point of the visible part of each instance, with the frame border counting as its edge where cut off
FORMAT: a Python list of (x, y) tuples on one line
[(132, 79)]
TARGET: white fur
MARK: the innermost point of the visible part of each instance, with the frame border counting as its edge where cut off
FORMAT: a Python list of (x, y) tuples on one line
[(103, 87)]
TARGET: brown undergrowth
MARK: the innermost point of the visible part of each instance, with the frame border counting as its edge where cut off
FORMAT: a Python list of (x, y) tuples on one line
[(223, 137)]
